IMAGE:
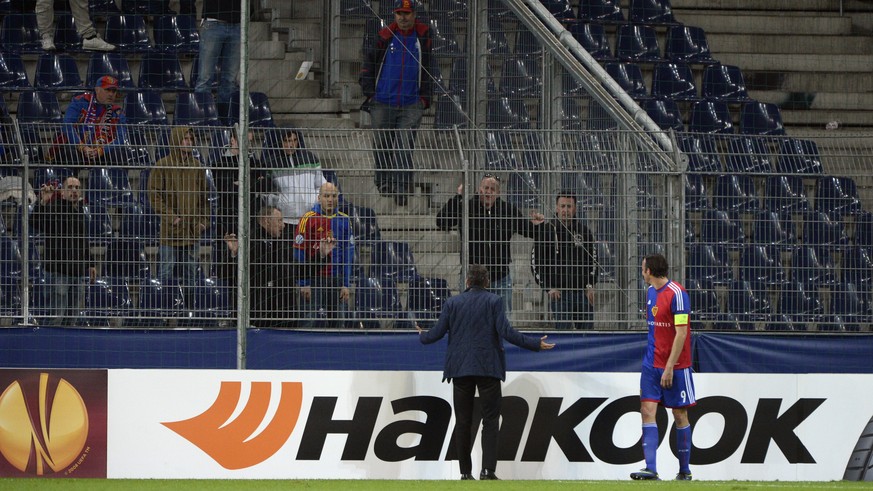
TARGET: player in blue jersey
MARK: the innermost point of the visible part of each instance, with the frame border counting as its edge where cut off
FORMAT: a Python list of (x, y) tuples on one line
[(666, 374)]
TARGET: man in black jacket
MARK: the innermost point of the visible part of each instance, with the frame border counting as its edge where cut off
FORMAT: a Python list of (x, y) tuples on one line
[(66, 258), (564, 263), (273, 270), (493, 222)]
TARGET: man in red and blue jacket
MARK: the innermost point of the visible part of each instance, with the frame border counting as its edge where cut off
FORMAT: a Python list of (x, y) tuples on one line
[(397, 81), (94, 127)]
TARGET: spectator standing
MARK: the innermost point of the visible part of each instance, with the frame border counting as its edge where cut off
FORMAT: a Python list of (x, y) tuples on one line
[(94, 128), (493, 222), (477, 325), (395, 79), (296, 176), (178, 193), (666, 377), (45, 19), (67, 261), (219, 46), (327, 294), (274, 272), (564, 263), (225, 171)]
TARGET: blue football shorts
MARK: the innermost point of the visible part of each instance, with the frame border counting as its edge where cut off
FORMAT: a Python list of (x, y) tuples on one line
[(681, 394)]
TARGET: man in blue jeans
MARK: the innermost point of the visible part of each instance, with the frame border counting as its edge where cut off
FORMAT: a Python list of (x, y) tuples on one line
[(219, 46), (397, 82)]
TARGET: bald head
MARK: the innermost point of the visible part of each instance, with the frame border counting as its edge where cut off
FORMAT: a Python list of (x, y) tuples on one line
[(328, 198)]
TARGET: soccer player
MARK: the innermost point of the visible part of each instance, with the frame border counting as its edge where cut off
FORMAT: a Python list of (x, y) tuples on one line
[(666, 374)]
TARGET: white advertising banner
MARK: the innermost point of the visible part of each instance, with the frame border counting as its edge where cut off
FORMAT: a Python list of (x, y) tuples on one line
[(397, 425)]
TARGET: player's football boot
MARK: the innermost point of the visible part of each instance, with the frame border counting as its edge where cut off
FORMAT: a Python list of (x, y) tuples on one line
[(645, 475), (683, 476)]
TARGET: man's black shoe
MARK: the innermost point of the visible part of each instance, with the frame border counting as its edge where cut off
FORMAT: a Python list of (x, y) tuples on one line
[(487, 475), (467, 477), (684, 476)]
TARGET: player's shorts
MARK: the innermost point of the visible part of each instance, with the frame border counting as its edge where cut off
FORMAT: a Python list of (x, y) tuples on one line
[(680, 395)]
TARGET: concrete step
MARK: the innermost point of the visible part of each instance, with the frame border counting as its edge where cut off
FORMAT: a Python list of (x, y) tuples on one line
[(809, 63), (267, 50), (780, 5), (848, 101), (721, 43), (285, 105), (259, 31), (279, 88), (313, 121), (786, 23), (819, 118)]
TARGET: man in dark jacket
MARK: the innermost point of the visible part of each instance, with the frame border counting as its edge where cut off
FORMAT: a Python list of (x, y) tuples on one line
[(66, 258), (274, 271), (564, 263), (493, 222), (477, 324), (396, 79)]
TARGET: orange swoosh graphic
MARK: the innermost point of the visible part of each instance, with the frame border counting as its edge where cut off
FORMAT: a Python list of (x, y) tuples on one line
[(230, 445)]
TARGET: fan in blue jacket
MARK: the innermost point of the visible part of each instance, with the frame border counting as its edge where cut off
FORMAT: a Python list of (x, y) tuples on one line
[(477, 325)]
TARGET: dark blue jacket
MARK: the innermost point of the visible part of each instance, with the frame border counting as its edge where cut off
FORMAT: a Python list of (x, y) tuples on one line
[(477, 325)]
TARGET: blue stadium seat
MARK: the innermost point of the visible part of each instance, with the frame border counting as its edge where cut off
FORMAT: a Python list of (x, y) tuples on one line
[(102, 8), (688, 44), (113, 64), (38, 112), (212, 301), (449, 111), (426, 297), (586, 186), (561, 9), (592, 37), (359, 8), (864, 230), (761, 118), (824, 231), (195, 109), (798, 308), (158, 301), (704, 300), (66, 38), (109, 186), (455, 9), (20, 34), (176, 34), (749, 302), (849, 310), (570, 115), (799, 157), (724, 83), (857, 267), (762, 264), (703, 155), (507, 114), (695, 193), (496, 37), (526, 44), (105, 298), (606, 260), (658, 12), (629, 77), (710, 116), (50, 175), (775, 228), (735, 192), (837, 195), (785, 194), (161, 71), (128, 33), (709, 263), (747, 154), (520, 77), (377, 298), (638, 44), (445, 42), (57, 72), (814, 268), (13, 76), (260, 114), (10, 277), (722, 227), (145, 7), (674, 81), (601, 11), (665, 113), (145, 107)]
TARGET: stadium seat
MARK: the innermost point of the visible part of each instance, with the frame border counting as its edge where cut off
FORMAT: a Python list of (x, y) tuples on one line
[(105, 298), (377, 298), (746, 154), (709, 263), (445, 42), (128, 33), (507, 114), (586, 186), (864, 230), (66, 38), (102, 8), (195, 109), (799, 307), (638, 44), (710, 116), (735, 192), (57, 72), (426, 297), (695, 193), (814, 268), (161, 71), (526, 44), (824, 231), (20, 34), (658, 12), (761, 118), (837, 195), (520, 77), (449, 111), (592, 37), (688, 44), (857, 267), (749, 302), (799, 157), (775, 228), (561, 9), (38, 112), (674, 81), (145, 7), (785, 194), (260, 115), (455, 9), (704, 300), (109, 186), (606, 260), (724, 83), (359, 8), (629, 77), (722, 227), (849, 310), (51, 175), (212, 302), (13, 76), (176, 34), (496, 37), (601, 11), (113, 64), (157, 302), (665, 113), (762, 264), (98, 223), (703, 155), (145, 107)]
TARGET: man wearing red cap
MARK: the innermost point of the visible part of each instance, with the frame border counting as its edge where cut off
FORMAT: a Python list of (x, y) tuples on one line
[(397, 82), (93, 126)]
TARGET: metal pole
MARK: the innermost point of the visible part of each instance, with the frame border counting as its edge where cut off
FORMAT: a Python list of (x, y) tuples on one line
[(242, 257)]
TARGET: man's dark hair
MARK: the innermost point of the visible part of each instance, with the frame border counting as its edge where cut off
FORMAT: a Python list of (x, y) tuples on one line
[(566, 193), (477, 276), (657, 265), (267, 211)]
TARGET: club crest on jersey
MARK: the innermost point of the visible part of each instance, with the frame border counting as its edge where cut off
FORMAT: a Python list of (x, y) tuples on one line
[(299, 239), (655, 310)]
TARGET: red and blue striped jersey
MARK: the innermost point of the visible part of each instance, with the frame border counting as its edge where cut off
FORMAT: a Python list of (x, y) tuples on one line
[(666, 309)]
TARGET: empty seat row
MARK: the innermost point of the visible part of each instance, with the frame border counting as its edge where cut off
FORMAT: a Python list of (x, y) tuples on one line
[(639, 44)]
